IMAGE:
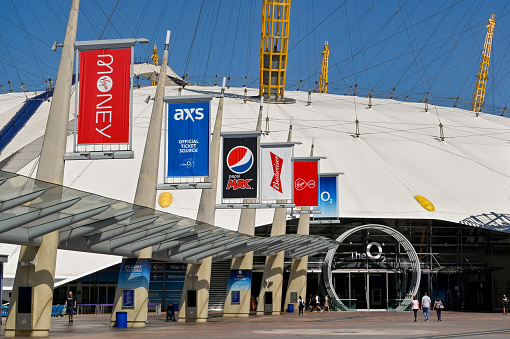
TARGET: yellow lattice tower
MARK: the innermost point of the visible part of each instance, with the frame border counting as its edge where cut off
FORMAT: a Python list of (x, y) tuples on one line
[(155, 60), (481, 79), (323, 83), (274, 48)]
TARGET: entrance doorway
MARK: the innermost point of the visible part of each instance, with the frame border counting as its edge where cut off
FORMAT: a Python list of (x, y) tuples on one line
[(368, 290)]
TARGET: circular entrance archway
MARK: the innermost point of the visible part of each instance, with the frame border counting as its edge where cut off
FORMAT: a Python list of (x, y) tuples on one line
[(327, 275)]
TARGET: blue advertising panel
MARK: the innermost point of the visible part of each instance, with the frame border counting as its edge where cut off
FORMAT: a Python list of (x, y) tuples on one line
[(328, 202), (188, 139), (239, 280), (128, 299), (236, 297), (134, 273)]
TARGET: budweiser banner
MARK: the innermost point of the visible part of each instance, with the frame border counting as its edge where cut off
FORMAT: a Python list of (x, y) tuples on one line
[(239, 167), (276, 172), (306, 182), (104, 94)]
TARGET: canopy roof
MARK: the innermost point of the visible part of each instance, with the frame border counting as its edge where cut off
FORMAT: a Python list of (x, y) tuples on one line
[(89, 222), (151, 72)]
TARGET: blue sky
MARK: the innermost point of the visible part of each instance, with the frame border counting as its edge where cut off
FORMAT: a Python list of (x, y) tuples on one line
[(414, 46)]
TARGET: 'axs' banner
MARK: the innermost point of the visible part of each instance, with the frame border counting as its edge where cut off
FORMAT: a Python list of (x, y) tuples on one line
[(328, 203), (188, 139), (306, 183), (276, 173), (240, 168), (105, 83)]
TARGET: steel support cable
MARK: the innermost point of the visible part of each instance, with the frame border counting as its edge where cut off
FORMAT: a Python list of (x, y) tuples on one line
[(31, 48), (30, 7), (190, 52), (126, 16), (10, 56), (213, 36), (140, 18), (57, 16), (361, 40), (235, 39), (108, 19), (156, 30), (225, 39)]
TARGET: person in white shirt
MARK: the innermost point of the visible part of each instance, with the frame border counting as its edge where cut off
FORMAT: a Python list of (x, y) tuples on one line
[(425, 306)]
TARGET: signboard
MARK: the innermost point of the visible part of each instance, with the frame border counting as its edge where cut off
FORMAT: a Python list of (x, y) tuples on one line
[(236, 297), (134, 273), (104, 97), (188, 139), (128, 299), (306, 183), (276, 172), (239, 167), (239, 280), (328, 202)]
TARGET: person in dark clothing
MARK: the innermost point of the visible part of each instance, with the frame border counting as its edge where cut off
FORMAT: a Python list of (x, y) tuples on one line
[(311, 303), (301, 305), (170, 313), (70, 306)]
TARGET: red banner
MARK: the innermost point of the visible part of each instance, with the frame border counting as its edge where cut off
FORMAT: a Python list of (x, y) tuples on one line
[(105, 83), (306, 183)]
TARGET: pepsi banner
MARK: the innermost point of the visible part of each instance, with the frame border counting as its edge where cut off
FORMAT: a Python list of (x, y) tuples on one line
[(328, 202), (104, 97), (276, 172), (306, 183), (240, 168), (188, 139)]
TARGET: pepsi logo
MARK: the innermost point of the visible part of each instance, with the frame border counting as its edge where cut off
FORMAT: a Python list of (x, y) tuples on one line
[(104, 83), (240, 159)]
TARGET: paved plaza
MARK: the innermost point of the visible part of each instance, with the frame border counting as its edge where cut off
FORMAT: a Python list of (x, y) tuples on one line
[(316, 324)]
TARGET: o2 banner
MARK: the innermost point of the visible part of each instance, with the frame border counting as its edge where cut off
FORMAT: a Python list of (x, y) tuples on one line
[(306, 183), (328, 203), (134, 273), (239, 167), (276, 172), (104, 96), (188, 139)]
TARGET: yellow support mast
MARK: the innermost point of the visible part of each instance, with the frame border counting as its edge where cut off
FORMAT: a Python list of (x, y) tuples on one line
[(155, 60), (481, 79), (274, 48), (323, 83)]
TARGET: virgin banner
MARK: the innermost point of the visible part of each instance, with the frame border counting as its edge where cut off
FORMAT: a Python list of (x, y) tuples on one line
[(104, 94), (276, 173), (240, 168), (188, 139), (306, 183)]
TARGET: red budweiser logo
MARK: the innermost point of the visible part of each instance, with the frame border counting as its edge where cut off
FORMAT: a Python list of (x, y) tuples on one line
[(276, 182)]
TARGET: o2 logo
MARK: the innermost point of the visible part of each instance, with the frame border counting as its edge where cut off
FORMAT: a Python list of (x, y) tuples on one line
[(326, 197), (189, 113)]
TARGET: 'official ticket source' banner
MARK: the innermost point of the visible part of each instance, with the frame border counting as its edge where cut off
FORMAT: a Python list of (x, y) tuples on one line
[(188, 139), (306, 183), (240, 168), (104, 94), (276, 173), (328, 203)]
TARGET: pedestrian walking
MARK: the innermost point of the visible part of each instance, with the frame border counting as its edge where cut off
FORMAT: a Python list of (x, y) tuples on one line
[(415, 306), (438, 306), (311, 302), (318, 303), (301, 306), (326, 303), (425, 306), (70, 306), (505, 302), (170, 312)]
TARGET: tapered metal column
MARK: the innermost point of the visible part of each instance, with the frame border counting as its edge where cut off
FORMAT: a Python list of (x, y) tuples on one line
[(198, 276), (299, 267), (272, 278), (245, 262), (36, 265), (146, 195)]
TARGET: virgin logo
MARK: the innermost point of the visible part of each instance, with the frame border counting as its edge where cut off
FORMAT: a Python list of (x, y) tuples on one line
[(277, 163), (301, 184), (104, 83)]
